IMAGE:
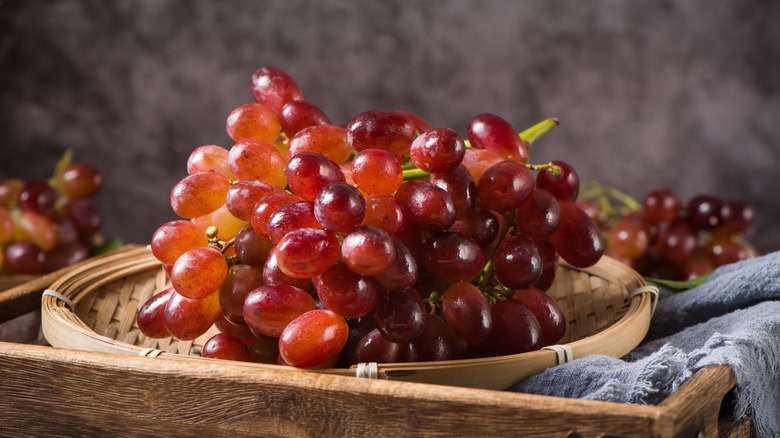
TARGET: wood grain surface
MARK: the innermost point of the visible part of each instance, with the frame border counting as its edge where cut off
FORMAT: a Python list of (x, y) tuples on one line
[(46, 391)]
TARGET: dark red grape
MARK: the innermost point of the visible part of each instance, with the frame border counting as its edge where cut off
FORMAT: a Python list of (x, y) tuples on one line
[(515, 328), (564, 186), (577, 238)]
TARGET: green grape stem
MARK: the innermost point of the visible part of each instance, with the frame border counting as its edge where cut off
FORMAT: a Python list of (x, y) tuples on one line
[(539, 130), (611, 201), (529, 137)]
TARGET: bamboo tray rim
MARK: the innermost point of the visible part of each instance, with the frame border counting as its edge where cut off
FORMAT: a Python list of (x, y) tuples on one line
[(63, 328)]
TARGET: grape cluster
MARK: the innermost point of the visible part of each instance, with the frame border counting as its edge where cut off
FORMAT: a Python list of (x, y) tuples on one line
[(664, 237), (383, 240), (46, 225)]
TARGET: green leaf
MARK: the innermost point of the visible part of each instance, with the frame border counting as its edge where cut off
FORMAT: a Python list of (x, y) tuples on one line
[(678, 286), (108, 246)]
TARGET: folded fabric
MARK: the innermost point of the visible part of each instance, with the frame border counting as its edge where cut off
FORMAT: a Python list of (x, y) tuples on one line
[(733, 318)]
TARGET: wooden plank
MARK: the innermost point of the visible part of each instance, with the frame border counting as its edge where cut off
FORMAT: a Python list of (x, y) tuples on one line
[(44, 390), (694, 409)]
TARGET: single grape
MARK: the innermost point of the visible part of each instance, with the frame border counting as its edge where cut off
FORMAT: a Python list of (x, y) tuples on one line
[(251, 248), (308, 172), (368, 250), (298, 115), (426, 206), (432, 344), (151, 315), (515, 328), (480, 225), (313, 338), (199, 272), (491, 132), (199, 194), (439, 150), (400, 315), (252, 159), (677, 242), (339, 207), (461, 187), (347, 293), (242, 197), (517, 262), (705, 212), (253, 121), (187, 318), (628, 237), (209, 158), (376, 171), (379, 129), (172, 239), (564, 186), (268, 309), (38, 196), (453, 257), (538, 215), (225, 346), (274, 88), (373, 347), (661, 205), (79, 181), (402, 272), (84, 216), (327, 140), (504, 186), (742, 217), (24, 258), (307, 252), (36, 228), (726, 250), (384, 212), (577, 238), (467, 312), (239, 281), (547, 313)]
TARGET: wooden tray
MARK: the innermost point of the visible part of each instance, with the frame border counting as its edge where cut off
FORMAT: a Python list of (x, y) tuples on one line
[(49, 391)]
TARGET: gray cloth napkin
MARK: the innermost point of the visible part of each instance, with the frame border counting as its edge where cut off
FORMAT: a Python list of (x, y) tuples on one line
[(733, 318)]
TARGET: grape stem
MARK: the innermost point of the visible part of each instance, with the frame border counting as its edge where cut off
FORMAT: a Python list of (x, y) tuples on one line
[(605, 196), (487, 271), (529, 137), (539, 130)]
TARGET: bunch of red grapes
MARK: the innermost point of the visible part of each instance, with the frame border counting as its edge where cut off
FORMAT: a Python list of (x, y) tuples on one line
[(383, 240), (664, 237), (49, 224)]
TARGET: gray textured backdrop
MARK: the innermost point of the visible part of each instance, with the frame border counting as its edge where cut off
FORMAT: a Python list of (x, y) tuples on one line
[(650, 93)]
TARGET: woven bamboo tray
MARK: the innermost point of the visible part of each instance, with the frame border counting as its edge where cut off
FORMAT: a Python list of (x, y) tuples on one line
[(608, 309)]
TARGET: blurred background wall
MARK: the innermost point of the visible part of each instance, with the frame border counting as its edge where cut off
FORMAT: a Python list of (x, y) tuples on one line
[(676, 93)]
